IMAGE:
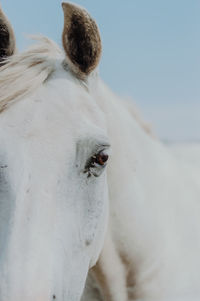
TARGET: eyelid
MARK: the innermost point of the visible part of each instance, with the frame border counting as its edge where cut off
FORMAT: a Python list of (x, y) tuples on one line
[(101, 147)]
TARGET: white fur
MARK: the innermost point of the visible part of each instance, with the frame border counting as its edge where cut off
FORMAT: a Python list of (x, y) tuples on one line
[(154, 210), (51, 212), (52, 216)]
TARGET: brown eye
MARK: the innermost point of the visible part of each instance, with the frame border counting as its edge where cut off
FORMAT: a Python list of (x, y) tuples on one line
[(95, 164), (101, 158)]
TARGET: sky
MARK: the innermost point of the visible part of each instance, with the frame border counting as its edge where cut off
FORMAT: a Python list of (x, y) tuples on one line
[(151, 54)]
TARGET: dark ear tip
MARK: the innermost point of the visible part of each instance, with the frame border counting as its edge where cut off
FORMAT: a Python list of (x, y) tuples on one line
[(68, 6), (64, 6)]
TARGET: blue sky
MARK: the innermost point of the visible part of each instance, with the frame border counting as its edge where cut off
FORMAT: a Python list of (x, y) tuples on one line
[(151, 53)]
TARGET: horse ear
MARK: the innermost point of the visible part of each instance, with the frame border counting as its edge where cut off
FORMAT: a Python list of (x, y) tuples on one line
[(7, 38), (81, 40)]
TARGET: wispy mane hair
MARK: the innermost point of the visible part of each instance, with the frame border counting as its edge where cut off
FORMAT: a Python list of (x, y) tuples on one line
[(24, 72)]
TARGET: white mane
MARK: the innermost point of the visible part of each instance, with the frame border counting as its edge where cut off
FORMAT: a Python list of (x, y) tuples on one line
[(24, 72)]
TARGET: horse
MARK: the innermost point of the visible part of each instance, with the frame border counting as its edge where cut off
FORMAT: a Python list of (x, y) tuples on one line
[(86, 187), (152, 246), (54, 150)]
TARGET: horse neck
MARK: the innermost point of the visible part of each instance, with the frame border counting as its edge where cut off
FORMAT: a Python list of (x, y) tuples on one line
[(153, 195)]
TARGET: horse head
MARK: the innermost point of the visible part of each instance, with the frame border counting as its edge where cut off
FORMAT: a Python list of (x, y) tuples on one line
[(54, 150)]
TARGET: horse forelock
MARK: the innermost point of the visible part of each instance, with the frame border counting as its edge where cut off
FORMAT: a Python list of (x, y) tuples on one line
[(24, 72)]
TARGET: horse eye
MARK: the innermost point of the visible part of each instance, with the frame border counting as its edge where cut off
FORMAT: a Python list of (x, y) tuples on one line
[(95, 164), (101, 158)]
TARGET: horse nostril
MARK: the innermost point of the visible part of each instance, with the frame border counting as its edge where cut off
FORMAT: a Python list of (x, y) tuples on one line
[(54, 297)]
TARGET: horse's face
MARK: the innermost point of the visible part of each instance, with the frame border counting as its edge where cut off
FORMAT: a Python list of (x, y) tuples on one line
[(54, 150), (56, 153)]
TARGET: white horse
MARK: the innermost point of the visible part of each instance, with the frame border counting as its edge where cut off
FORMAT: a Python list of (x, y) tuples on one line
[(57, 122), (54, 149), (152, 247)]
